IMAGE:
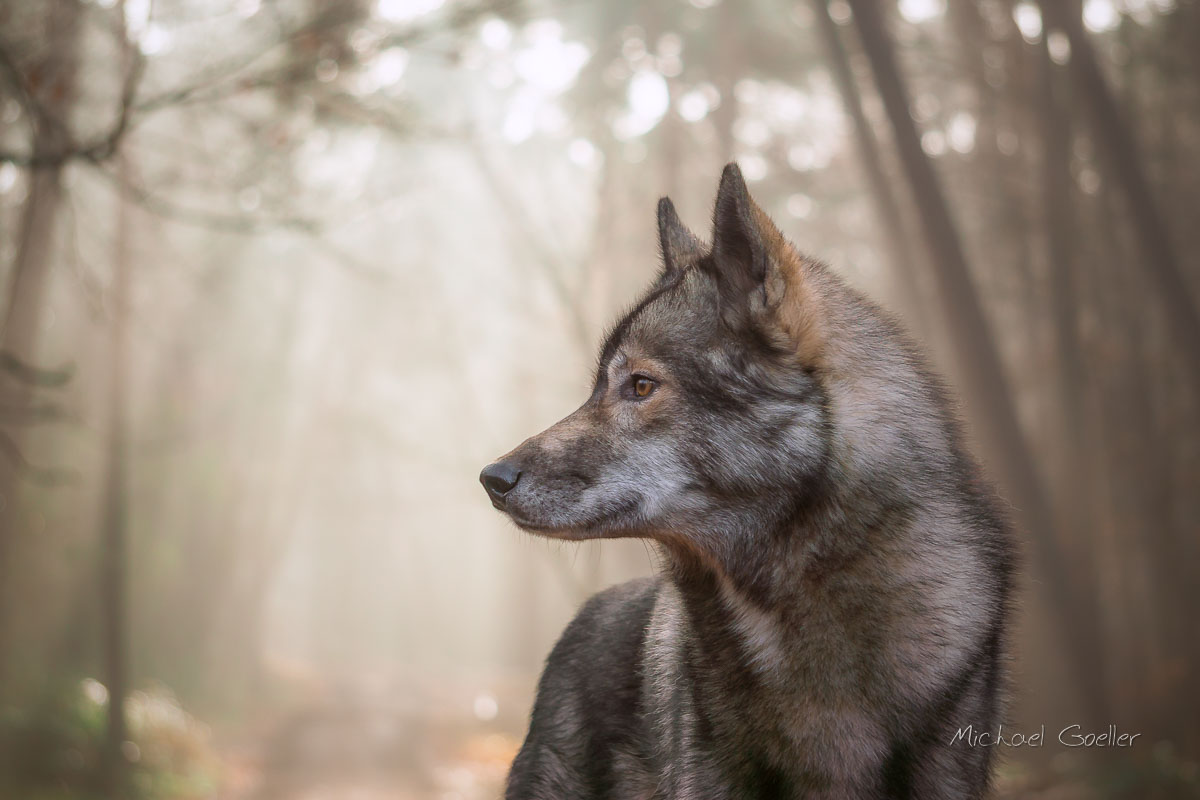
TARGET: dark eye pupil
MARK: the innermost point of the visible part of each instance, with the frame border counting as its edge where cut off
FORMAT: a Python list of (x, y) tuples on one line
[(642, 387)]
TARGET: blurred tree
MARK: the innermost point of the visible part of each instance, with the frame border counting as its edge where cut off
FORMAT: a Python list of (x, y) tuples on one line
[(1074, 404), (899, 247), (977, 363), (298, 55), (45, 99), (114, 534), (1111, 130)]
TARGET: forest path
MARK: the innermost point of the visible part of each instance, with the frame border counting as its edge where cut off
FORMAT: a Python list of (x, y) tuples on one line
[(362, 743)]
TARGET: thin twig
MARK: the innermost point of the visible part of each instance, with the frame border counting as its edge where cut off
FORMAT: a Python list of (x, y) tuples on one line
[(34, 376), (93, 150), (213, 220)]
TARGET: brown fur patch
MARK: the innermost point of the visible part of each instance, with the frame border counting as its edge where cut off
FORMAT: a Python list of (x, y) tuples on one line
[(795, 301)]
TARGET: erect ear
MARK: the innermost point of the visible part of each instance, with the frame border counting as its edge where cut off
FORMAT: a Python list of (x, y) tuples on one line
[(679, 246), (743, 236), (759, 272)]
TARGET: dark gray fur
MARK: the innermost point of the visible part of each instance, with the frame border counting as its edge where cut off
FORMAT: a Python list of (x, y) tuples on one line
[(837, 586)]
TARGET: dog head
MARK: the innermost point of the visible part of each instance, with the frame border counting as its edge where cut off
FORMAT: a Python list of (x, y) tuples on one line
[(707, 405)]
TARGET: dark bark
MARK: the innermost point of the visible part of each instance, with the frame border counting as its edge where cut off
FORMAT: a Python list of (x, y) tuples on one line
[(114, 532)]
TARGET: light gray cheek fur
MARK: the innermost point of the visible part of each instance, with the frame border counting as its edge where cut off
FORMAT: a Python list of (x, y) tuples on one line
[(648, 474), (639, 487), (651, 474), (656, 472), (795, 452)]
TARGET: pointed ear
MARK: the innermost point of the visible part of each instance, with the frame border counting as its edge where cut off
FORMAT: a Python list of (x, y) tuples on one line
[(741, 247), (760, 273), (678, 245)]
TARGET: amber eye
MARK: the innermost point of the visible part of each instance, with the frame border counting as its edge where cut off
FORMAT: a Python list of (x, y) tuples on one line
[(642, 386)]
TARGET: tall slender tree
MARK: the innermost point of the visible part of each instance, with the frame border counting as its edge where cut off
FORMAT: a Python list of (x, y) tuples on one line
[(884, 199), (1079, 457), (44, 104), (115, 516)]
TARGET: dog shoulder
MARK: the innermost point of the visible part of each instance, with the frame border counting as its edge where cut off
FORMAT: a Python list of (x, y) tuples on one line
[(587, 715), (597, 655)]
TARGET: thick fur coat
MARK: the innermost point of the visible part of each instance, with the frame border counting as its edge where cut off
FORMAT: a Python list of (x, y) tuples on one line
[(834, 604)]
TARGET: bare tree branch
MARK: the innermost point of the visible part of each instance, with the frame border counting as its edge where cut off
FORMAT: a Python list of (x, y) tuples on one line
[(34, 376), (213, 220), (93, 150), (222, 78), (231, 68), (31, 413), (29, 104)]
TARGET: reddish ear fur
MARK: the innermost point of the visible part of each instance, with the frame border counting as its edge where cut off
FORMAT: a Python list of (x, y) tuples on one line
[(753, 257)]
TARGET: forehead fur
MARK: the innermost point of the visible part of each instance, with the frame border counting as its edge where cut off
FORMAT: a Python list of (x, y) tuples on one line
[(681, 307), (751, 282), (685, 309)]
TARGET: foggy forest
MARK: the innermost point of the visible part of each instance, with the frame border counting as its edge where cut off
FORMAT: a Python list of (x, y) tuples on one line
[(278, 278)]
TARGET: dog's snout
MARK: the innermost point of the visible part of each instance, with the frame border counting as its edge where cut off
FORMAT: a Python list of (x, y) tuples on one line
[(499, 479)]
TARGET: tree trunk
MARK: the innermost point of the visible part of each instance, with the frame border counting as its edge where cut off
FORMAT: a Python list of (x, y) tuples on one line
[(113, 539), (114, 532), (1080, 457), (906, 280), (977, 361), (24, 306), (1059, 226)]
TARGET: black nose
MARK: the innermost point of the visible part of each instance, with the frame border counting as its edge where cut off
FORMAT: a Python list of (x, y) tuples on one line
[(499, 479)]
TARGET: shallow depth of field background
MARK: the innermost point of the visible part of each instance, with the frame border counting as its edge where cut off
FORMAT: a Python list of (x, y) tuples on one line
[(278, 279)]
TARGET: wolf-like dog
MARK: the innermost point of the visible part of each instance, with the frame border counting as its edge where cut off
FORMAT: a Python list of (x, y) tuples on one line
[(837, 577)]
